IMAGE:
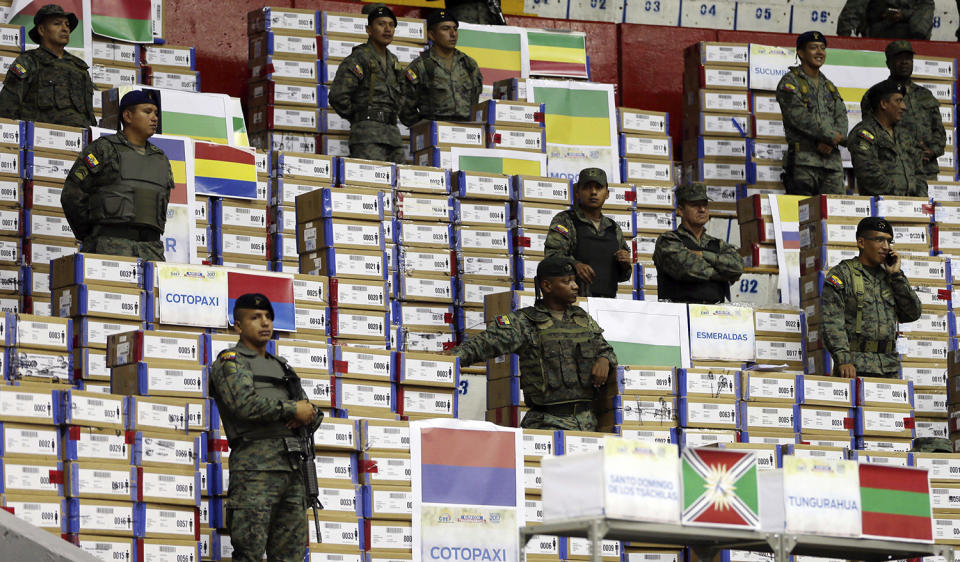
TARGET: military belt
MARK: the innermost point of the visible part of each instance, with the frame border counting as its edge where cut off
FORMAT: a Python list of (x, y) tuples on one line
[(804, 147), (387, 117), (874, 346), (568, 409), (140, 234)]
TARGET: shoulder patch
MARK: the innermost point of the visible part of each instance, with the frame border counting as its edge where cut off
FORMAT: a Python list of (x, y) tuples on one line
[(228, 356), (789, 87), (358, 70), (411, 75), (18, 69), (503, 321), (835, 281), (81, 173), (865, 134), (91, 161), (561, 229)]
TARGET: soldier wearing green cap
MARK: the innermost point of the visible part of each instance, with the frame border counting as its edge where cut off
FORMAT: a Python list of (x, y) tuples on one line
[(48, 84), (864, 300), (885, 157), (267, 505), (921, 120), (115, 196), (888, 19), (443, 83), (595, 243), (814, 122), (564, 358), (693, 266), (366, 92)]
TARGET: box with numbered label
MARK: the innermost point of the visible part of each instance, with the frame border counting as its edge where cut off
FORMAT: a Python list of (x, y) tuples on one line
[(884, 392), (386, 540), (79, 269), (358, 324), (103, 301), (364, 397), (339, 233), (646, 171), (285, 140), (42, 225), (345, 263), (159, 378), (57, 139), (341, 203), (516, 138), (24, 363), (39, 477), (444, 134), (420, 402), (286, 20), (884, 421), (510, 113), (480, 185), (642, 122), (354, 24), (423, 179), (30, 440), (369, 173), (707, 413), (240, 215), (288, 93), (273, 67)]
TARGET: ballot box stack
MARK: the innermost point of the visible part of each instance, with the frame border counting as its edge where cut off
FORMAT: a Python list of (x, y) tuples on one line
[(654, 214), (12, 137), (706, 409), (163, 381), (716, 120), (640, 402), (758, 244), (116, 64), (170, 67), (291, 174), (12, 42), (340, 33), (237, 235), (536, 201), (49, 154), (284, 93), (431, 141), (512, 125), (339, 472)]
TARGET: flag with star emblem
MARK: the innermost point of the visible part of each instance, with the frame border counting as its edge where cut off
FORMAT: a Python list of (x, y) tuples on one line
[(720, 488)]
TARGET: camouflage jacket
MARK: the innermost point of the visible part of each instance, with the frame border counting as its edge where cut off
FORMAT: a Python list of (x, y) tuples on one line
[(245, 403), (43, 87), (887, 301), (884, 163), (473, 11), (865, 17), (97, 166), (562, 240), (366, 81), (556, 357), (720, 261), (812, 113), (432, 93), (922, 120)]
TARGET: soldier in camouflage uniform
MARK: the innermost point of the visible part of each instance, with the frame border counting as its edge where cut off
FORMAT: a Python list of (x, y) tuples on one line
[(483, 12), (564, 358), (814, 122), (888, 19), (266, 504), (863, 301), (48, 84), (366, 91), (116, 194), (921, 120), (592, 240), (693, 266), (932, 445), (442, 84), (885, 157)]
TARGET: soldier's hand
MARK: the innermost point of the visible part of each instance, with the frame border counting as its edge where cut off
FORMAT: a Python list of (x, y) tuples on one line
[(305, 414), (838, 138), (598, 375), (824, 148), (585, 272), (623, 256), (894, 266), (848, 371)]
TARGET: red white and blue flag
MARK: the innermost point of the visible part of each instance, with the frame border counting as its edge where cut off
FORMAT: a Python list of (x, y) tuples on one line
[(468, 467), (276, 287)]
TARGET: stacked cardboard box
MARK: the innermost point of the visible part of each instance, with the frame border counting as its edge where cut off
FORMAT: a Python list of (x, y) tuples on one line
[(292, 174), (170, 67), (512, 125)]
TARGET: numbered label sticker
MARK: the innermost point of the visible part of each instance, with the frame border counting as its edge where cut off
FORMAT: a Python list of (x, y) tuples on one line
[(653, 12), (815, 15), (711, 15), (945, 20), (763, 17), (597, 10)]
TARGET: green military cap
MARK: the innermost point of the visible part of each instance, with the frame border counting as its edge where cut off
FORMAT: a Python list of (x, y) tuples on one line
[(897, 47), (692, 191), (439, 16), (588, 175), (875, 224), (932, 445), (48, 11), (367, 8), (555, 266), (253, 301), (810, 37)]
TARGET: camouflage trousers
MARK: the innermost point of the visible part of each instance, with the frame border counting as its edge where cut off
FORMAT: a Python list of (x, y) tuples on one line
[(266, 511), (377, 151), (114, 246), (583, 421), (810, 180)]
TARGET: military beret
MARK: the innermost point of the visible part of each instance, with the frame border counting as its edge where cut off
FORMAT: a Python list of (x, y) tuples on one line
[(438, 16), (880, 90), (136, 97), (810, 37), (367, 8), (693, 191), (875, 224), (48, 11), (380, 12), (588, 175), (897, 47), (253, 301), (555, 266)]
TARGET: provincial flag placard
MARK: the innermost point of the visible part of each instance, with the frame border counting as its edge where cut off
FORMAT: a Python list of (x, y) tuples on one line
[(176, 151), (720, 488), (225, 171), (126, 20), (468, 467), (895, 503), (277, 287)]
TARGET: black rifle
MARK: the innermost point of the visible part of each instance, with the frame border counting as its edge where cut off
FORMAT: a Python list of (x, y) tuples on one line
[(302, 447)]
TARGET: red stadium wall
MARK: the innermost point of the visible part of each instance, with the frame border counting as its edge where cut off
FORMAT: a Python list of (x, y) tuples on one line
[(646, 62)]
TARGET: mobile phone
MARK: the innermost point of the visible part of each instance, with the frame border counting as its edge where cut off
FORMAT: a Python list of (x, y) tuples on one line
[(891, 259)]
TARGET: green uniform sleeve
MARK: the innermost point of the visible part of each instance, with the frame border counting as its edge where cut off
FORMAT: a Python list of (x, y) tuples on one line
[(626, 269), (832, 312), (920, 17), (796, 114), (852, 17), (672, 257), (908, 303), (345, 83), (562, 236), (936, 135), (20, 76), (234, 387), (872, 178), (319, 417), (410, 83), (840, 121), (477, 87), (500, 338), (605, 349), (79, 184)]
